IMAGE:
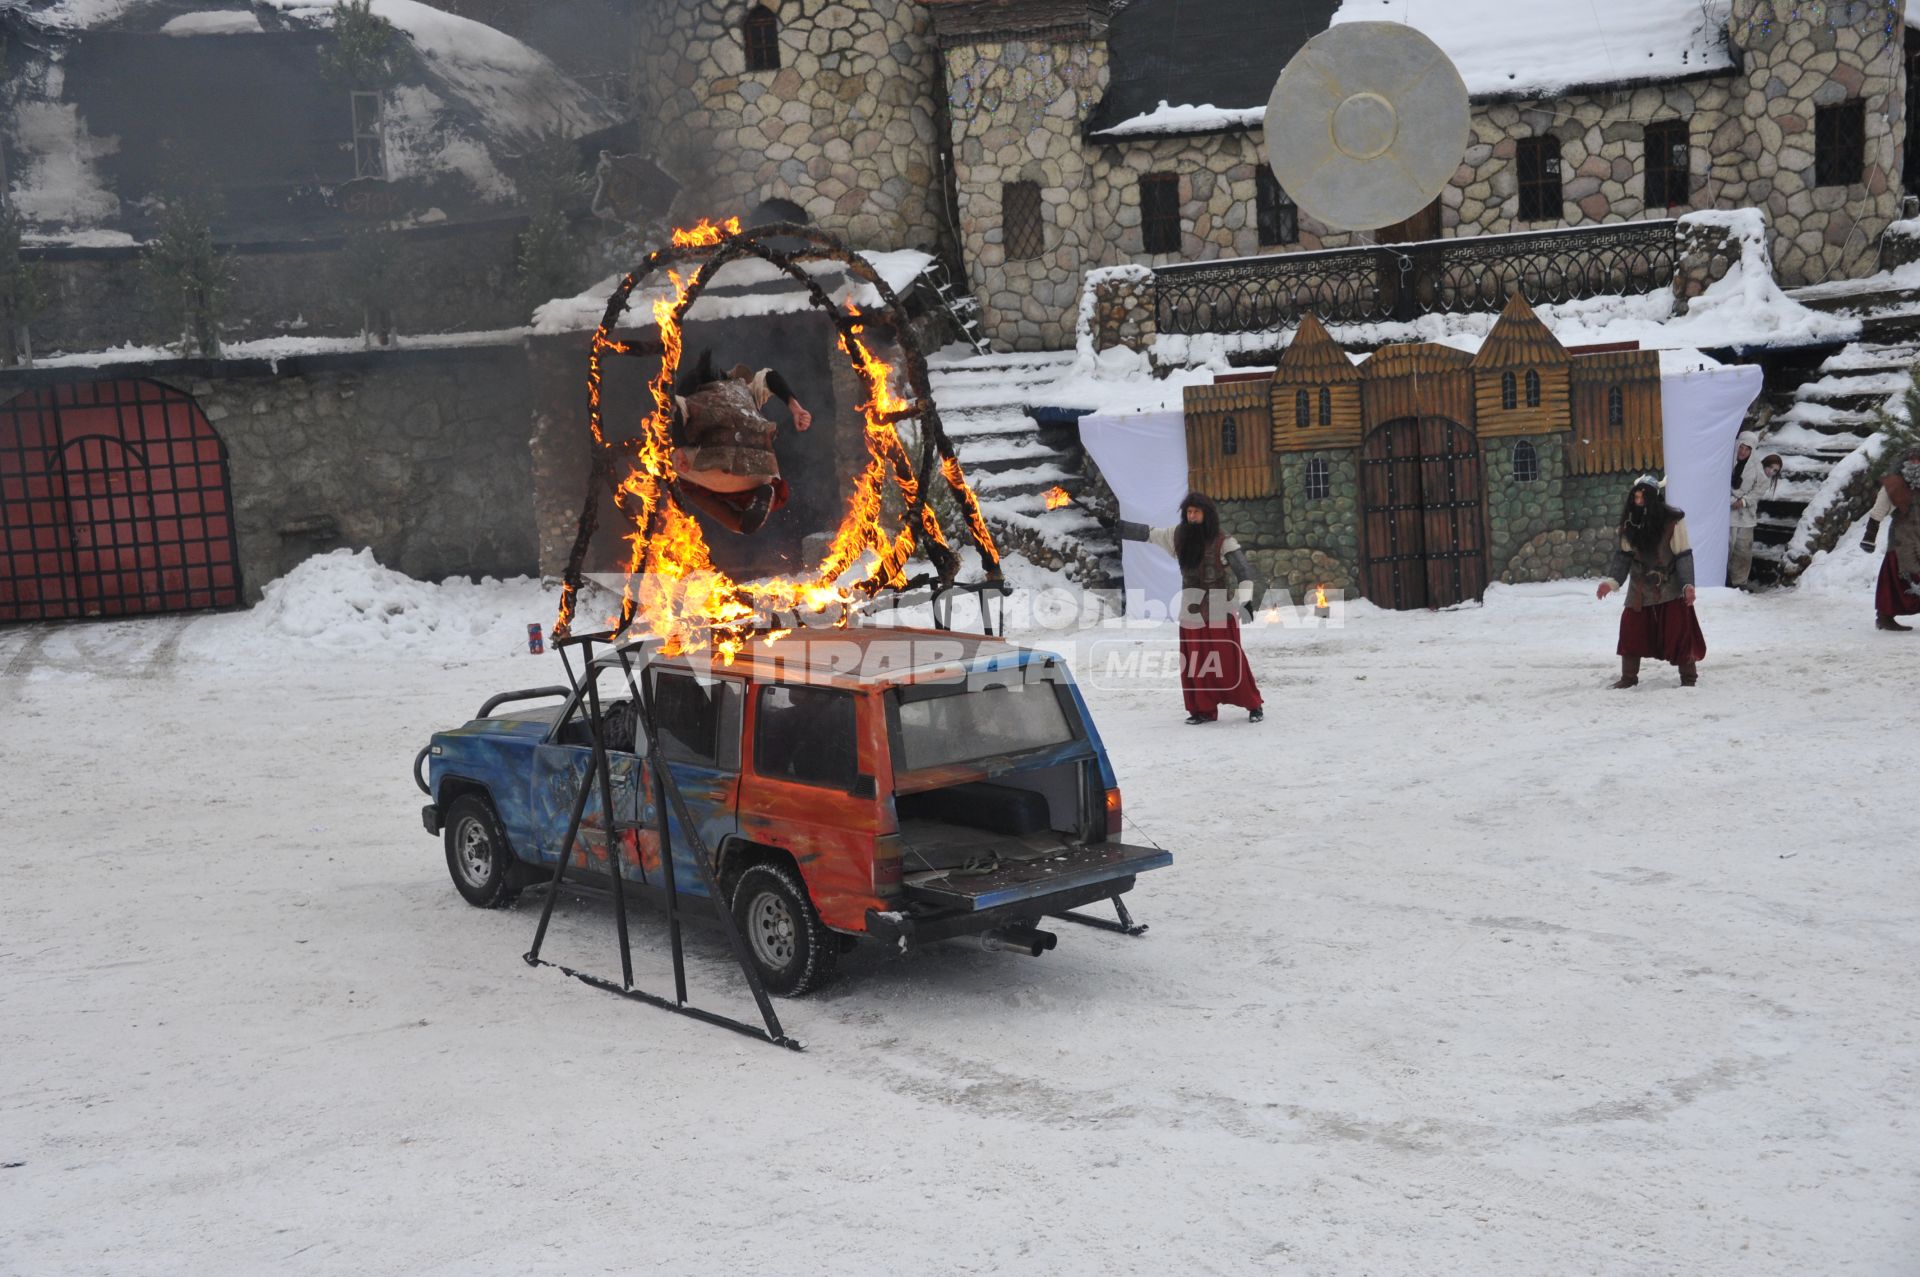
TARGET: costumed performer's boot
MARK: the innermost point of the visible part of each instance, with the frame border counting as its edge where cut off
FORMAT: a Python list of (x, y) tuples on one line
[(1885, 621), (1689, 674), (1629, 672)]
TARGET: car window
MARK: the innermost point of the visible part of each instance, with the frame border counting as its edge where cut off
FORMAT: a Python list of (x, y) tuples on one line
[(984, 723), (806, 734), (617, 712), (698, 719)]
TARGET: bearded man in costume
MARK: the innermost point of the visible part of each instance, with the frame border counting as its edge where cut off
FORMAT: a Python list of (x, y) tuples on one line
[(1655, 560), (1213, 665), (723, 461), (1898, 591)]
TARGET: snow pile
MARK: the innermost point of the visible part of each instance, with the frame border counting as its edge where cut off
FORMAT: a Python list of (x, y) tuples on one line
[(1165, 119), (1846, 571), (274, 349), (1504, 48), (772, 293), (213, 22), (347, 602), (1747, 307)]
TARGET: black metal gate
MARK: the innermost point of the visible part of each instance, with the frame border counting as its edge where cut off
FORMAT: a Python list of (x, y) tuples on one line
[(114, 501)]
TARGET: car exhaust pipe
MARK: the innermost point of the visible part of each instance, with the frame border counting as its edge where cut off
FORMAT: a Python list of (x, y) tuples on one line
[(1028, 940)]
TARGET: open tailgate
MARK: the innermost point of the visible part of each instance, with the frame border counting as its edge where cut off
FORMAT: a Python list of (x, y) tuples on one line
[(993, 880)]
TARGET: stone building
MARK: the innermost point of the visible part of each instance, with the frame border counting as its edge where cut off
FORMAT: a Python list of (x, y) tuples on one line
[(1419, 475), (829, 111), (1798, 110)]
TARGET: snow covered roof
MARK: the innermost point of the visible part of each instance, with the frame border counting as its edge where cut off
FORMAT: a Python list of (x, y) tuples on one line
[(1224, 52), (109, 93), (1542, 47)]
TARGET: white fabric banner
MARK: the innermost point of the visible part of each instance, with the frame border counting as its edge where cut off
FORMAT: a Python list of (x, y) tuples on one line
[(1144, 459), (1701, 414)]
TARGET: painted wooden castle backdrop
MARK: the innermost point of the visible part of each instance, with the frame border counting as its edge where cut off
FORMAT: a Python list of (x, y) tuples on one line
[(1423, 472)]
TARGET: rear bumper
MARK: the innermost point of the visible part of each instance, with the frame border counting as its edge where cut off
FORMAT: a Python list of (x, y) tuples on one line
[(430, 817)]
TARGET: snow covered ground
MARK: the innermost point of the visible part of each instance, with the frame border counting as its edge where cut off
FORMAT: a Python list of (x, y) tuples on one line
[(1465, 964)]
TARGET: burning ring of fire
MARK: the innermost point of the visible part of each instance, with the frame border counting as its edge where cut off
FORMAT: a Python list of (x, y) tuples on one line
[(673, 588)]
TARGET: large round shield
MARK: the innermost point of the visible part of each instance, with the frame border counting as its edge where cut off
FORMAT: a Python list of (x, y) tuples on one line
[(1367, 124)]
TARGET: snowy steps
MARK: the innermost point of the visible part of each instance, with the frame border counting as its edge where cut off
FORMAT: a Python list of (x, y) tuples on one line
[(1826, 419), (1010, 458)]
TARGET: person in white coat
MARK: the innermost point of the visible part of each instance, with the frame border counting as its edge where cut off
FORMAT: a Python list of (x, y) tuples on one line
[(1750, 483)]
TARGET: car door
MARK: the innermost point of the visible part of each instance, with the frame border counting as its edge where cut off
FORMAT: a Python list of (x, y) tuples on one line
[(815, 757), (698, 719), (563, 762)]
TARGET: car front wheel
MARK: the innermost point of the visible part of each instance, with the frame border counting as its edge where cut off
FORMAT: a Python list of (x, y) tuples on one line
[(793, 950), (477, 853)]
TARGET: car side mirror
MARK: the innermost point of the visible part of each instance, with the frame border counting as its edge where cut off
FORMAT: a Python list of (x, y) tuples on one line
[(863, 786)]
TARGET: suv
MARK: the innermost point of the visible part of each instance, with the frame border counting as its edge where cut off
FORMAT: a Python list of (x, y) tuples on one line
[(891, 784)]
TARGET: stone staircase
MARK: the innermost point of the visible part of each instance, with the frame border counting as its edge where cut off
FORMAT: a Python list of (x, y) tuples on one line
[(1011, 459), (1819, 422)]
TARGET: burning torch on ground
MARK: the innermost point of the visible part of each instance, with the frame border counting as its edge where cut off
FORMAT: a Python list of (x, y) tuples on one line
[(1057, 496)]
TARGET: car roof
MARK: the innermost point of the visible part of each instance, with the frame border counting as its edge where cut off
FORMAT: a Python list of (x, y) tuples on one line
[(863, 656)]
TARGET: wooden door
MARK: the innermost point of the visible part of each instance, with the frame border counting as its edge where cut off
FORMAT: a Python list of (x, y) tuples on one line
[(1422, 525), (1422, 226)]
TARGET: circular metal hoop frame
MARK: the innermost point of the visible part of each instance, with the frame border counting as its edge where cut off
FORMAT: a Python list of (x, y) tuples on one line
[(888, 449)]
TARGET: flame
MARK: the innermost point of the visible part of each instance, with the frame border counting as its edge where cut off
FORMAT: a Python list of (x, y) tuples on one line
[(673, 590), (1056, 497), (1319, 596), (704, 234)]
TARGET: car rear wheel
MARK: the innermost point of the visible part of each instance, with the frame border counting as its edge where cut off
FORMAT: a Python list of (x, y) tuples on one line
[(477, 853), (792, 949)]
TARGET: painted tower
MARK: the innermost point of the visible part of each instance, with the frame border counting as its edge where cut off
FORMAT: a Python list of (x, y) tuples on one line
[(826, 107)]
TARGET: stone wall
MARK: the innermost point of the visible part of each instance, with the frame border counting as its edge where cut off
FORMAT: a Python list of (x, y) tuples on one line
[(1517, 512), (456, 280), (421, 456), (1124, 308), (1799, 58), (1015, 109), (846, 128)]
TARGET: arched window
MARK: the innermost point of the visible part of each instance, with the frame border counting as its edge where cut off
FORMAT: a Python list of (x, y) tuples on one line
[(1326, 406), (1509, 391), (1533, 388), (1319, 479), (760, 32), (1229, 437), (1526, 462), (1616, 407), (1302, 409)]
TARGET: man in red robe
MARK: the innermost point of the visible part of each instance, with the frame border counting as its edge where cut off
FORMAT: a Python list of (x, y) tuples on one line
[(1897, 593), (1213, 665), (1655, 559)]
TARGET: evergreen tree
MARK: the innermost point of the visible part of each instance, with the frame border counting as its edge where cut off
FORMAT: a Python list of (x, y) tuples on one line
[(1901, 429), (21, 297), (369, 266), (186, 275), (548, 259), (366, 51)]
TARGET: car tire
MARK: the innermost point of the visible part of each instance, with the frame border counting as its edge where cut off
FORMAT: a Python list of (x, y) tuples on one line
[(786, 941), (478, 857)]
